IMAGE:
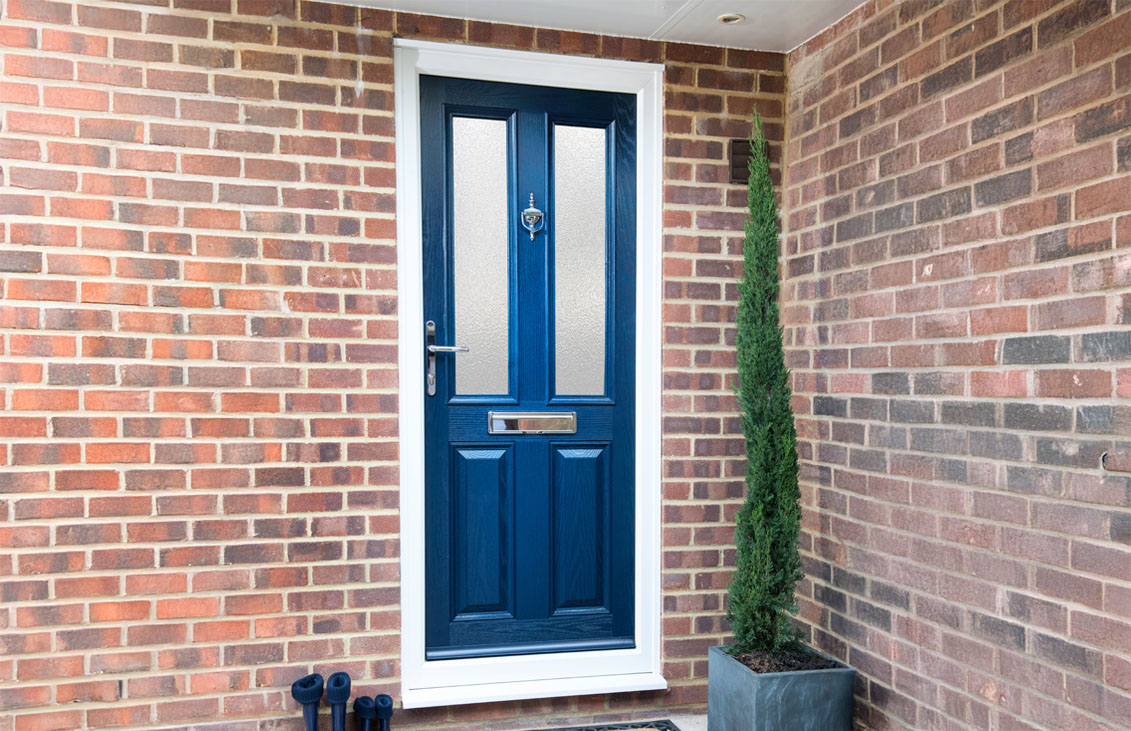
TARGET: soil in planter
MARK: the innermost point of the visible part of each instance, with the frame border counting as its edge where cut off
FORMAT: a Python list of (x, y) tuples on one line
[(764, 662)]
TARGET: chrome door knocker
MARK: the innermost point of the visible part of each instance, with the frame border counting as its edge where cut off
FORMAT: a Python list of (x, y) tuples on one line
[(533, 219)]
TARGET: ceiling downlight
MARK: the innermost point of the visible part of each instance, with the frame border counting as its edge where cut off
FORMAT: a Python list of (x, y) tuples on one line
[(731, 18)]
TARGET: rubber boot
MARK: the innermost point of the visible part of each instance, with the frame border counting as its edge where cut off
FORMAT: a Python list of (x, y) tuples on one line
[(338, 694), (384, 705), (308, 692), (365, 712)]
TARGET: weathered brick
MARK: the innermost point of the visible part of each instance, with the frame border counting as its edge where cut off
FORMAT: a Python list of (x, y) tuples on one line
[(1067, 654), (1074, 168), (1003, 188), (1079, 90), (1113, 345), (1071, 242), (1105, 119), (999, 631), (1112, 196), (1006, 119), (1063, 23), (1069, 452), (1074, 384), (943, 205), (948, 78), (1006, 50)]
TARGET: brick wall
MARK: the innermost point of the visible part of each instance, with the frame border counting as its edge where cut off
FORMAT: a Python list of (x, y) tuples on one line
[(958, 286), (198, 498)]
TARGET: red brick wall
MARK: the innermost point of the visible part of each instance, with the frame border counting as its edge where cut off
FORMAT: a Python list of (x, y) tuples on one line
[(958, 286), (198, 498)]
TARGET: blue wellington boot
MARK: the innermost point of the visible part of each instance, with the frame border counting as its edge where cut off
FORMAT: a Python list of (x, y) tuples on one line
[(365, 712), (308, 692), (384, 705), (338, 694)]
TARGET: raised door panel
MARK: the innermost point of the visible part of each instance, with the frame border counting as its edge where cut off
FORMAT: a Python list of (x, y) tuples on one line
[(580, 520), (482, 536)]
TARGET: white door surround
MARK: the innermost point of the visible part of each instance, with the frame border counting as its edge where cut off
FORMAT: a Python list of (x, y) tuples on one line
[(450, 682)]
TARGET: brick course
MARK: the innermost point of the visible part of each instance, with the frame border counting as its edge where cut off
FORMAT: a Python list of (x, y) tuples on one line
[(198, 402), (958, 209)]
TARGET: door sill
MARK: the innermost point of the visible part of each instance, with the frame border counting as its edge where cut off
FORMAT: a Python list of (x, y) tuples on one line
[(531, 689), (541, 648)]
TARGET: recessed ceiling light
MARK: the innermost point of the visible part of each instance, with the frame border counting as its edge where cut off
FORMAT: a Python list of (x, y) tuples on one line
[(731, 18)]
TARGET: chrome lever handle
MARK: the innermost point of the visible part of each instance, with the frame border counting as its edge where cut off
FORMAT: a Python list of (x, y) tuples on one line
[(430, 359)]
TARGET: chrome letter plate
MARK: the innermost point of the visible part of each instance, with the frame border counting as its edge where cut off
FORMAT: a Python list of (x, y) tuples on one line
[(531, 422)]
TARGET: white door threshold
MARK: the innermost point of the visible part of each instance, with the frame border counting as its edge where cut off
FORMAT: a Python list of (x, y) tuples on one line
[(529, 689)]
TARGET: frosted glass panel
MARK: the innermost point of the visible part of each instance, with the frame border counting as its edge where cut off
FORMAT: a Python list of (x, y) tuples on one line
[(579, 260), (479, 244)]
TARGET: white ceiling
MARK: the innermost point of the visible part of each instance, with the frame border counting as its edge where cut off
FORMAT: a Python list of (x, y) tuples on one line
[(771, 25)]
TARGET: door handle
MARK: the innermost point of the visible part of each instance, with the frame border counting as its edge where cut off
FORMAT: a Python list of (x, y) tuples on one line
[(432, 349)]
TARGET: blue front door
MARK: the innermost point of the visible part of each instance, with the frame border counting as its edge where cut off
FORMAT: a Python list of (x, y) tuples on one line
[(529, 258)]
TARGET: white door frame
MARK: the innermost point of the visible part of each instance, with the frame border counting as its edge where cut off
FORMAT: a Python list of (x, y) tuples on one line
[(449, 682)]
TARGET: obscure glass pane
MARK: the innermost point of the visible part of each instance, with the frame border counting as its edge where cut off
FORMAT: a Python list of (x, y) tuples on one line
[(479, 242), (579, 260)]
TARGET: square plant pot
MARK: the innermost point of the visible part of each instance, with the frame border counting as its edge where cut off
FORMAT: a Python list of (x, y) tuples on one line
[(739, 699)]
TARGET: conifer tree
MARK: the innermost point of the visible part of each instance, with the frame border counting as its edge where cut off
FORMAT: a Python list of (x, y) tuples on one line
[(768, 523)]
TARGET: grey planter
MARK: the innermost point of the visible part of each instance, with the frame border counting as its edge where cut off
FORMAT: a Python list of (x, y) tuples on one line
[(739, 699)]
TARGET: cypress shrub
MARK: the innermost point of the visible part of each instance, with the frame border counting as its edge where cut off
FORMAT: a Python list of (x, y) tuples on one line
[(768, 561)]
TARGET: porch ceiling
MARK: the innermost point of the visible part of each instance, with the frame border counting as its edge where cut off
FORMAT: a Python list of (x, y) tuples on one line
[(771, 25)]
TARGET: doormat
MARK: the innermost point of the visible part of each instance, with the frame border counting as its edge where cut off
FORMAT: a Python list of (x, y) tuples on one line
[(639, 725)]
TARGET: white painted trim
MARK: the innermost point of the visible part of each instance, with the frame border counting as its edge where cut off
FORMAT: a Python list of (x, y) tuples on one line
[(450, 682)]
